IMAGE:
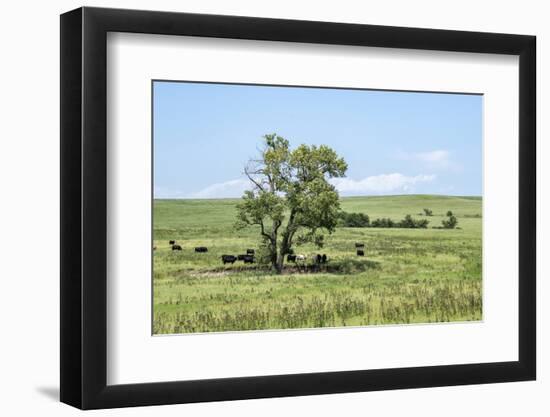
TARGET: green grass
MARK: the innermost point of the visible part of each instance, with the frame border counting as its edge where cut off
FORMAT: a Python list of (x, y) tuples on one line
[(406, 276)]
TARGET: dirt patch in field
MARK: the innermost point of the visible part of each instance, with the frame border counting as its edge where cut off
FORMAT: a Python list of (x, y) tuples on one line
[(331, 268), (212, 274)]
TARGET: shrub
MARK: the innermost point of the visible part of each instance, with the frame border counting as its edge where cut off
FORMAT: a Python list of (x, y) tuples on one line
[(422, 224), (383, 223), (428, 212), (362, 220), (353, 219), (450, 222), (409, 223)]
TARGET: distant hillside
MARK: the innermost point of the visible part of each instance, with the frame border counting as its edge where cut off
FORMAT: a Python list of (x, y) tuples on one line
[(221, 213), (399, 205)]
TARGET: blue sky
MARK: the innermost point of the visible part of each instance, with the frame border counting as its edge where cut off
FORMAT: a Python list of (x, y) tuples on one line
[(393, 142)]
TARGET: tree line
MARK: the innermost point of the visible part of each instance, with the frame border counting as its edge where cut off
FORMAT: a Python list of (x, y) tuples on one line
[(346, 219)]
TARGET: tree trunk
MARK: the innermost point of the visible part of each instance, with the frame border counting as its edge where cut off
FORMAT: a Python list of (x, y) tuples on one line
[(274, 257), (279, 263), (286, 242)]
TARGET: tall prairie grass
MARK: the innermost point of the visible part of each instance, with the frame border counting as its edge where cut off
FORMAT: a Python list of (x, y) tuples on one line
[(407, 275)]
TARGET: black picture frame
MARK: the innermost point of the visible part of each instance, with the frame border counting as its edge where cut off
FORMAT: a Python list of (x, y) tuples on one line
[(84, 208)]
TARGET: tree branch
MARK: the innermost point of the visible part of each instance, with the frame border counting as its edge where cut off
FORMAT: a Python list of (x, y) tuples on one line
[(249, 173), (262, 228)]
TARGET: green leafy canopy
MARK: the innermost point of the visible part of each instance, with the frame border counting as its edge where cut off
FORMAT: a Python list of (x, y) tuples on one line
[(291, 198)]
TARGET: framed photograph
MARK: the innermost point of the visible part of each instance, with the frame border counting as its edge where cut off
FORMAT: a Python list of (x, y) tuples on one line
[(258, 208)]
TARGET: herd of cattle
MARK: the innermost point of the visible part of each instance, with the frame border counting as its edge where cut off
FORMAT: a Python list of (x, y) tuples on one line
[(249, 258)]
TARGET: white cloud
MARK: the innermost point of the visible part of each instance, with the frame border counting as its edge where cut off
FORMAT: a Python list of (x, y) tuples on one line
[(380, 184), (376, 184), (227, 189)]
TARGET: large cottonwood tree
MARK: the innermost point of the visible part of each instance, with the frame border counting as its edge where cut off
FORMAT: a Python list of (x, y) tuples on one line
[(291, 199)]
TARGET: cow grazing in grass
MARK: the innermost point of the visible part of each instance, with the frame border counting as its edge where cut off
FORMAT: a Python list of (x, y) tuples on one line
[(176, 247), (359, 245), (248, 259), (301, 258), (172, 242), (250, 251), (201, 249), (360, 252), (291, 258), (228, 259)]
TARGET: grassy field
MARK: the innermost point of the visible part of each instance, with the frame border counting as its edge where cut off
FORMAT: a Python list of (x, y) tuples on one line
[(407, 275)]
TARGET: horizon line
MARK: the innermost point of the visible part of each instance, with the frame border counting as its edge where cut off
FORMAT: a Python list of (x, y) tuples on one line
[(340, 197)]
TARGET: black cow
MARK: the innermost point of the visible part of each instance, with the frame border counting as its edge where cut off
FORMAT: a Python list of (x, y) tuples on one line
[(176, 247), (248, 259), (241, 257), (291, 258), (360, 253), (201, 249), (324, 259), (172, 242), (318, 259), (250, 251), (228, 259), (359, 245)]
